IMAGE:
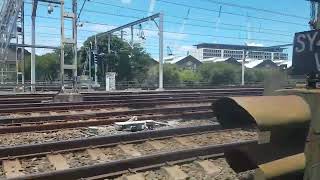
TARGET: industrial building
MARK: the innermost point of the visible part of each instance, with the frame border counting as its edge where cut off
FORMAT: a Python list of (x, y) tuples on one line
[(210, 50)]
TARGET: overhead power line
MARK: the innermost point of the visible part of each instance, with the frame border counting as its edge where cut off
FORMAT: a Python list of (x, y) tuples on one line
[(187, 24), (256, 9), (178, 17), (231, 13), (206, 35), (196, 34), (93, 31), (84, 2), (189, 18)]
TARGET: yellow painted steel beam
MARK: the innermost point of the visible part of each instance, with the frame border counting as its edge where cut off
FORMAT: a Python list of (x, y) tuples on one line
[(282, 123), (284, 169), (266, 112)]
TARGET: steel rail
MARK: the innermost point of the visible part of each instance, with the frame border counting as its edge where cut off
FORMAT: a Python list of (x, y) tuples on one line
[(38, 98), (28, 150), (18, 128), (103, 104), (103, 170), (114, 97), (23, 107), (123, 93), (88, 115)]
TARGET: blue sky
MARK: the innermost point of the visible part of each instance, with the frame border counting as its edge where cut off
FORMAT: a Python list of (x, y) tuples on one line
[(233, 25)]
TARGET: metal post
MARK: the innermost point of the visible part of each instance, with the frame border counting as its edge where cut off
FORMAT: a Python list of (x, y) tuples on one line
[(95, 52), (90, 74), (62, 46), (243, 67), (109, 52), (33, 55), (161, 52), (2, 78), (131, 35), (122, 35), (109, 43), (23, 41), (74, 36)]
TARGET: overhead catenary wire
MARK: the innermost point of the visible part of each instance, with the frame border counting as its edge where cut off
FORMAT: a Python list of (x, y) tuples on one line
[(196, 34), (230, 13), (187, 24), (190, 18), (84, 2), (256, 9)]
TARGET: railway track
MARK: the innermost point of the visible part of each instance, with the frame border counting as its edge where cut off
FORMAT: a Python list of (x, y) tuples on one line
[(130, 103), (115, 102), (123, 95), (16, 118), (110, 156), (81, 119)]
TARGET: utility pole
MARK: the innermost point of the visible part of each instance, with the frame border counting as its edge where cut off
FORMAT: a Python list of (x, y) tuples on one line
[(245, 53), (33, 42), (95, 58), (161, 52)]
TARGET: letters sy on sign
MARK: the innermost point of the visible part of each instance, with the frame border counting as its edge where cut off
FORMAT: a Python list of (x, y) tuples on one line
[(306, 53)]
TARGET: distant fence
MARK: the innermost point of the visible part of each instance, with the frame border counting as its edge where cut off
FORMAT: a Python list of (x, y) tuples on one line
[(124, 85)]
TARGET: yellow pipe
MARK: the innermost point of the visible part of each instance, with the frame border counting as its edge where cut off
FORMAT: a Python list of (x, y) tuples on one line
[(287, 168)]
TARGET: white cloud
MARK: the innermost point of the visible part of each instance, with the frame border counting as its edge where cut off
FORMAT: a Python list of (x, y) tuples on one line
[(254, 44), (126, 1), (97, 27)]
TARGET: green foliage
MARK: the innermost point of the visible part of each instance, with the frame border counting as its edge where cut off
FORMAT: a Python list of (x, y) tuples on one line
[(219, 73), (130, 63), (189, 77), (135, 65), (47, 67), (171, 75)]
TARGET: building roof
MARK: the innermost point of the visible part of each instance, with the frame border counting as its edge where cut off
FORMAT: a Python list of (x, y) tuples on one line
[(180, 58), (253, 64), (176, 59), (238, 47), (267, 64), (230, 60)]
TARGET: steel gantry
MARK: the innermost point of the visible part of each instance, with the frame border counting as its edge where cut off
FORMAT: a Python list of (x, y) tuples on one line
[(65, 41), (138, 22), (68, 41)]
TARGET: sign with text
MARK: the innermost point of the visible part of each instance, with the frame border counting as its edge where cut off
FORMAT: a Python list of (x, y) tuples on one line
[(306, 53)]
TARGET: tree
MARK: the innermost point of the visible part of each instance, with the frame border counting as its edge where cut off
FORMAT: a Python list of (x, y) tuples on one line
[(47, 67), (219, 73), (171, 76), (189, 77), (130, 63)]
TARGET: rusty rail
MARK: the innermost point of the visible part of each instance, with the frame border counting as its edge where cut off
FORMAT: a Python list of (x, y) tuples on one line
[(102, 141), (86, 116), (104, 170), (102, 121)]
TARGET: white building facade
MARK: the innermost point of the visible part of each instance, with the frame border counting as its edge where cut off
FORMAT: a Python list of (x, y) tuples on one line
[(206, 50)]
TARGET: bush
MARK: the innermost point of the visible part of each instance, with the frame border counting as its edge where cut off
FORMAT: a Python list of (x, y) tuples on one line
[(219, 73)]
